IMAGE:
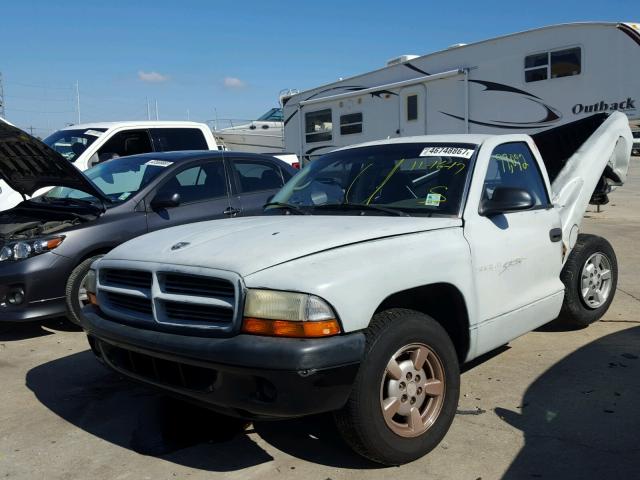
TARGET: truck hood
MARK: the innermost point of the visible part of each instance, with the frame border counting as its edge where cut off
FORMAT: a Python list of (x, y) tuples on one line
[(248, 245), (27, 164)]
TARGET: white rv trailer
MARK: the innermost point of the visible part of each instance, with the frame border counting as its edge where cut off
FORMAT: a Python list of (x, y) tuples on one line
[(524, 82)]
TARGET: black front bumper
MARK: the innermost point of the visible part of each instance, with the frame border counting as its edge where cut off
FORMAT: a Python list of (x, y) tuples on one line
[(245, 375)]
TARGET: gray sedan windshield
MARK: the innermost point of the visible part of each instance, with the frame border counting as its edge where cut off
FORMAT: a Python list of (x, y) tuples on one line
[(411, 178), (118, 179)]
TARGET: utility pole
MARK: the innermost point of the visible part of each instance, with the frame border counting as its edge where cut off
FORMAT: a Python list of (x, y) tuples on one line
[(31, 130), (148, 110), (1, 97), (188, 115), (78, 99), (157, 116)]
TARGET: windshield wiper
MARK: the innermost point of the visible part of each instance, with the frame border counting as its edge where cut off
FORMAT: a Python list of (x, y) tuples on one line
[(73, 201), (290, 206), (362, 207)]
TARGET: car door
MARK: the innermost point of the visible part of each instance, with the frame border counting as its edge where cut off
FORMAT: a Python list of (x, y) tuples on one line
[(256, 181), (517, 256), (204, 195)]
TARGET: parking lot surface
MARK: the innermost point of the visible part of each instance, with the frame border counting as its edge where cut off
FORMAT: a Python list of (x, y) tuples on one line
[(552, 404)]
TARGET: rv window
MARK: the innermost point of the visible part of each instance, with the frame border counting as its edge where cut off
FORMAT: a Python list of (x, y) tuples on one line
[(536, 75), (536, 67), (560, 63), (565, 63), (350, 123), (318, 126), (412, 107)]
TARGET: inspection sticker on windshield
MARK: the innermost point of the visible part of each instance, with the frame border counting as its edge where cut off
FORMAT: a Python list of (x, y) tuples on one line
[(433, 200), (158, 163), (95, 133), (447, 152)]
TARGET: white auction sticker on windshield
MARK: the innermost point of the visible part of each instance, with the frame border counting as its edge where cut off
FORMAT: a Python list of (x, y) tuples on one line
[(447, 152), (94, 133), (158, 163)]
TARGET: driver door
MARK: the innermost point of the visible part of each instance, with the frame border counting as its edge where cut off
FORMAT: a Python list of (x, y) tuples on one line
[(204, 195), (517, 257)]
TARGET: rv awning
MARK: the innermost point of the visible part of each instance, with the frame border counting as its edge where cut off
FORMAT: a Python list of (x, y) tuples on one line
[(387, 86)]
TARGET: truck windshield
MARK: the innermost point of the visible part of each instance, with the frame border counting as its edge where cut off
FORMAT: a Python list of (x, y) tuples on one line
[(71, 143), (118, 179), (410, 178)]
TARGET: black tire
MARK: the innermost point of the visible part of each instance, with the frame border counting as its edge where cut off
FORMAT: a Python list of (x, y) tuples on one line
[(361, 421), (576, 311), (72, 290)]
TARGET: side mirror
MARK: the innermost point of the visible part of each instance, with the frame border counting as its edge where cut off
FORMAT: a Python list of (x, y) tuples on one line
[(165, 200), (505, 200)]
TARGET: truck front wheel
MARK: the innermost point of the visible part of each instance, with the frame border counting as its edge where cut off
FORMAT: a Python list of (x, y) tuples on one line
[(590, 278), (406, 393)]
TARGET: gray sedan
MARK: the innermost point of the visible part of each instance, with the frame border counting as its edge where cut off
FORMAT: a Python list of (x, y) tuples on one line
[(47, 243)]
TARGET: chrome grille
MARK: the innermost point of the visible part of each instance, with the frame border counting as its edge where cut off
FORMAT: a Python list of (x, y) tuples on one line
[(167, 297)]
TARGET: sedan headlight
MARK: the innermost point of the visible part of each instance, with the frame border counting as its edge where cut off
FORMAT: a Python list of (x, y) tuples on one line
[(288, 314), (29, 248)]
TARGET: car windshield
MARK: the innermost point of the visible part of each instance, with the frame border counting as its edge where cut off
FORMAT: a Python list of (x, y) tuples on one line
[(410, 178), (117, 179), (71, 143), (636, 134)]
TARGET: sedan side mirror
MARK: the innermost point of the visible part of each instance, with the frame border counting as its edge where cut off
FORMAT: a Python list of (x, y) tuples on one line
[(505, 200), (165, 200)]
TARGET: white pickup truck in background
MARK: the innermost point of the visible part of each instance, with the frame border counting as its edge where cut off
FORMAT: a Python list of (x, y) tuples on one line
[(381, 269), (88, 144)]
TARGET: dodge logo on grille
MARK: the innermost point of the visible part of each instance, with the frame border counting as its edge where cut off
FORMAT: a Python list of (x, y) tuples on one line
[(179, 245)]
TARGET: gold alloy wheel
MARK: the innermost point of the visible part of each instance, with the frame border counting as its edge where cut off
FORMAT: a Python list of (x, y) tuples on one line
[(412, 390)]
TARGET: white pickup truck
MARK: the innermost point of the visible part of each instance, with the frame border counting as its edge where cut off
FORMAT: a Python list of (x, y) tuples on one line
[(381, 269), (88, 144)]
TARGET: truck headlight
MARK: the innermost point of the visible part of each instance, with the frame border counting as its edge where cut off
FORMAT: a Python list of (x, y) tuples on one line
[(29, 248), (288, 314)]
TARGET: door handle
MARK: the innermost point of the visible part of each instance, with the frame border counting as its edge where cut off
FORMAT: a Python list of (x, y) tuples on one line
[(555, 234), (232, 212)]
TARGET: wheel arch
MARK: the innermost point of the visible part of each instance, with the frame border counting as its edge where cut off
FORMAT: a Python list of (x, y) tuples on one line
[(445, 303)]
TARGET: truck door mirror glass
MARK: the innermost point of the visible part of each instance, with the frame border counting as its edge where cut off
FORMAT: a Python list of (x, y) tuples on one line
[(164, 200), (505, 200)]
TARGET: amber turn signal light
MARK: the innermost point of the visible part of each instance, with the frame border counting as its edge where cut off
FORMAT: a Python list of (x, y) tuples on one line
[(293, 329), (93, 299)]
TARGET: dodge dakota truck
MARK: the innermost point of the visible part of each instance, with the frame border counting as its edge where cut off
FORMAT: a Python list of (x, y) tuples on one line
[(379, 269)]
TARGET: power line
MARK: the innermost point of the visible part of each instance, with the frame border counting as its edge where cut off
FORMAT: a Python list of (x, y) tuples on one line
[(44, 87), (1, 97), (11, 109)]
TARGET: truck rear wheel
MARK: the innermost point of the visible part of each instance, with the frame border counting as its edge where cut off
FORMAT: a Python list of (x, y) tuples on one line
[(406, 393), (590, 278)]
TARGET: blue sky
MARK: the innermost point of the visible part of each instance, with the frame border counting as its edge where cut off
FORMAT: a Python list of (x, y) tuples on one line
[(230, 57)]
